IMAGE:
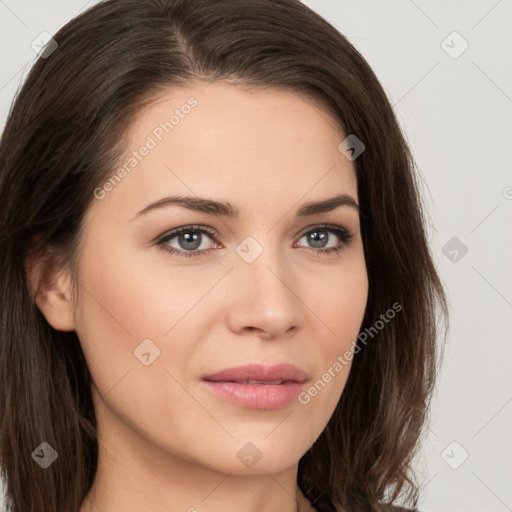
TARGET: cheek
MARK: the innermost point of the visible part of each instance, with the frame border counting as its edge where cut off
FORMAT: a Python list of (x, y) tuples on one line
[(340, 304), (127, 299), (117, 309), (338, 307), (137, 297)]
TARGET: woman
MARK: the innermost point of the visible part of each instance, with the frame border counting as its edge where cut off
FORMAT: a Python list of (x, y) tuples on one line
[(287, 362)]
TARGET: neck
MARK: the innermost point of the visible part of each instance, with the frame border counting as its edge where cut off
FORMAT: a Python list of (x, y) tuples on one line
[(248, 494), (133, 475)]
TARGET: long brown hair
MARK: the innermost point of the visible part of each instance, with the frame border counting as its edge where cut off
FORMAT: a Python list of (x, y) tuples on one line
[(63, 138)]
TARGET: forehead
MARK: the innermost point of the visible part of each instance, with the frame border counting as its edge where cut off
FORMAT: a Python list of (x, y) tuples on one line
[(220, 140)]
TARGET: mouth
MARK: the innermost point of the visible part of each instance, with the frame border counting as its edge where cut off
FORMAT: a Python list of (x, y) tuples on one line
[(258, 386), (247, 381)]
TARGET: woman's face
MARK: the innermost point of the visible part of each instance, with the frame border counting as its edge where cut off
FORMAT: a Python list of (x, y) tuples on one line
[(251, 290)]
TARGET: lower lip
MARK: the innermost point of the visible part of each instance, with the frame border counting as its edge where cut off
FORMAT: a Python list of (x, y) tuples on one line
[(257, 396)]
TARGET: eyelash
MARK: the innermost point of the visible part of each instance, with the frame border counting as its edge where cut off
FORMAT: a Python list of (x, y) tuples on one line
[(342, 233)]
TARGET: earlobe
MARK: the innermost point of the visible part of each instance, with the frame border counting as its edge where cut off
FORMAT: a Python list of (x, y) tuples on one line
[(50, 288)]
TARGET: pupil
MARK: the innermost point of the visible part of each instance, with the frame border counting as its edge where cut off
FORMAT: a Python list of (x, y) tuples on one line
[(187, 238), (319, 234)]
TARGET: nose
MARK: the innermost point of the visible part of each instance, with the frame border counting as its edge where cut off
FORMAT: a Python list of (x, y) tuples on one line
[(264, 297)]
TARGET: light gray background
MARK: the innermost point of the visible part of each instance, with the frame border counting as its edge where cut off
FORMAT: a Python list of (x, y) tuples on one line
[(457, 116)]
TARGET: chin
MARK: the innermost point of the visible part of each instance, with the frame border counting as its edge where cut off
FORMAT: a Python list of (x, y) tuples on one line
[(262, 456), (273, 464)]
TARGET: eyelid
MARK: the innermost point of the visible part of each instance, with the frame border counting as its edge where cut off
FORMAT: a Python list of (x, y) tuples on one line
[(188, 227), (212, 232), (337, 227)]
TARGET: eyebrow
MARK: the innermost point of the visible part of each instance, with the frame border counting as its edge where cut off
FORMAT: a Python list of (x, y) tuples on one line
[(225, 209)]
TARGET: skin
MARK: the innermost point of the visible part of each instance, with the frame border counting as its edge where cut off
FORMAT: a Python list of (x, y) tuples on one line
[(166, 443)]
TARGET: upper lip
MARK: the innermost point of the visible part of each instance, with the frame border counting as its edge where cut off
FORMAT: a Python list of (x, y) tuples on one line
[(259, 373)]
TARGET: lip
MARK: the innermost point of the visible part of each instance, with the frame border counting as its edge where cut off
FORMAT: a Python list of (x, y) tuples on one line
[(264, 392), (259, 372)]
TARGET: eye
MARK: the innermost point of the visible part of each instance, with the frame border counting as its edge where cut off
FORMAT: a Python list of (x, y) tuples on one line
[(190, 239), (319, 236)]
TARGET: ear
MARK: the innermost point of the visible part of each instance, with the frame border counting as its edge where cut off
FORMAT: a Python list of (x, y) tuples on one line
[(50, 288)]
